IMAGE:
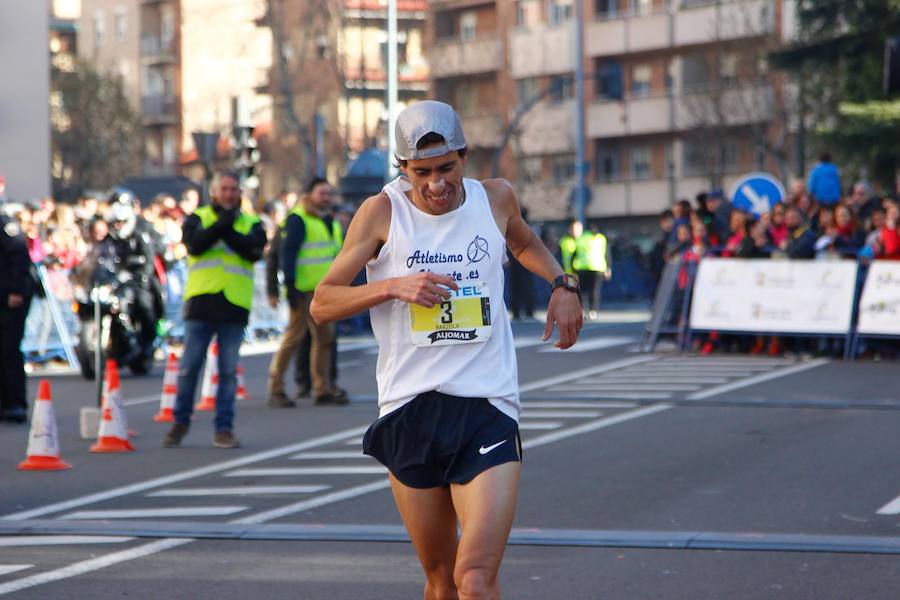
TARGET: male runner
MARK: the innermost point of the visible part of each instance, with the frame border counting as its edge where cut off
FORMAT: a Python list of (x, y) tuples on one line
[(433, 245)]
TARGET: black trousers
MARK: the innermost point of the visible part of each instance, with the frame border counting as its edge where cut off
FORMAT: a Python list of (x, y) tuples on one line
[(12, 363)]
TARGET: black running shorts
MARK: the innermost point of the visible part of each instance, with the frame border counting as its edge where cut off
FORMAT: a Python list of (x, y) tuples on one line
[(437, 439)]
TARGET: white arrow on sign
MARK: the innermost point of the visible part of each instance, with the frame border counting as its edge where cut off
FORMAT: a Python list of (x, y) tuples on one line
[(760, 204)]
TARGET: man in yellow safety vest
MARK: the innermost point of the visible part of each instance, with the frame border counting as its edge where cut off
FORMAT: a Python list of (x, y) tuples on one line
[(586, 254), (222, 243), (311, 240)]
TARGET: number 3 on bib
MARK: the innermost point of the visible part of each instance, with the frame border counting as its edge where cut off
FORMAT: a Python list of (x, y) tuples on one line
[(464, 318)]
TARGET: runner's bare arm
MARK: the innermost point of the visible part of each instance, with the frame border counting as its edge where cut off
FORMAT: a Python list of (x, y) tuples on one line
[(336, 299), (564, 309)]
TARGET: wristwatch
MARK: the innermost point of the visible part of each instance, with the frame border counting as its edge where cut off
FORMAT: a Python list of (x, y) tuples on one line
[(568, 281)]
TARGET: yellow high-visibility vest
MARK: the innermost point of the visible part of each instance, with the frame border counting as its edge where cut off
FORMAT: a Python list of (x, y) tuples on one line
[(317, 251), (221, 269)]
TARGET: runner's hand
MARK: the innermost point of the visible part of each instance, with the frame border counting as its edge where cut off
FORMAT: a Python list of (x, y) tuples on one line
[(425, 288), (564, 311)]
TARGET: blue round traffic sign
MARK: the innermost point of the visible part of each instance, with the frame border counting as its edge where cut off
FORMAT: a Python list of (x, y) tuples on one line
[(757, 193)]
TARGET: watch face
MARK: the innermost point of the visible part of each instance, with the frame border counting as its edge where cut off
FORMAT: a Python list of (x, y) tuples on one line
[(572, 282)]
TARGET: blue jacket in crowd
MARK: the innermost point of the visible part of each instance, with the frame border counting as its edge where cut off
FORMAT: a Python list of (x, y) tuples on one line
[(825, 183)]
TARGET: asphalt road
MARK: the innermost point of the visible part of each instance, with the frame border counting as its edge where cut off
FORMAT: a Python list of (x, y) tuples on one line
[(646, 476)]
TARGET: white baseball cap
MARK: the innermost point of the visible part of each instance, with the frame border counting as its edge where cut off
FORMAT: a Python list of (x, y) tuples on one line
[(422, 118)]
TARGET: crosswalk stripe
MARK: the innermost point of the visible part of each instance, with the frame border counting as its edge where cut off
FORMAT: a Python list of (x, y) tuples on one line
[(247, 490), (527, 404), (7, 569), (367, 470), (613, 387), (155, 513), (652, 379), (539, 425), (594, 344), (354, 442), (60, 540), (891, 508), (561, 414), (581, 393), (328, 455)]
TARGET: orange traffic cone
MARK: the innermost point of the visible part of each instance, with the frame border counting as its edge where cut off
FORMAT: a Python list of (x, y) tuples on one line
[(113, 435), (43, 446), (241, 393), (170, 388), (210, 379)]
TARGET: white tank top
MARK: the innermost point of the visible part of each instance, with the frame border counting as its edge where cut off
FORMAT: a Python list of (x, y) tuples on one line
[(464, 347)]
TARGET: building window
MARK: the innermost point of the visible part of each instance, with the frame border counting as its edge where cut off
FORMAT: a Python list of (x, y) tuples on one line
[(641, 7), (608, 166), (694, 72), (728, 68), (560, 11), (467, 24), (529, 169), (640, 80), (609, 81), (606, 9), (99, 28), (167, 25), (527, 89), (121, 24), (563, 88), (528, 14), (563, 168), (640, 162), (444, 25)]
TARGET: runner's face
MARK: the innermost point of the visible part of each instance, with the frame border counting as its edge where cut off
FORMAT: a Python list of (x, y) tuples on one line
[(436, 182)]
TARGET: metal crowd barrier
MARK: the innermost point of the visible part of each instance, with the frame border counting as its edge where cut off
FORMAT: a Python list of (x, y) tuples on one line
[(52, 327)]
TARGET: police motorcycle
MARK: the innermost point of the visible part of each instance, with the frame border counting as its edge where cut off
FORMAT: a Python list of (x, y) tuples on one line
[(108, 288)]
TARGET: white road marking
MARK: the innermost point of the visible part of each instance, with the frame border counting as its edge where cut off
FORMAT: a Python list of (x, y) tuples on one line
[(156, 513), (290, 509), (549, 438), (279, 471), (594, 344), (60, 540), (528, 404), (328, 455), (627, 387), (612, 378), (529, 342), (189, 474), (528, 425), (7, 569), (891, 508), (560, 414), (247, 490), (355, 441), (728, 387), (572, 375), (580, 393), (92, 564), (710, 369), (141, 400), (345, 364)]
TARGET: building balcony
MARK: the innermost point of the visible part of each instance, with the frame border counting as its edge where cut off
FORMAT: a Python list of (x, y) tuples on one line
[(483, 130), (548, 129), (456, 58), (632, 116), (544, 50), (723, 21), (726, 107), (545, 201), (629, 197), (451, 4), (159, 109), (154, 50), (624, 33)]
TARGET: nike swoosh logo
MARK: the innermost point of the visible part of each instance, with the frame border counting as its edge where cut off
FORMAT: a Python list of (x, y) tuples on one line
[(484, 450)]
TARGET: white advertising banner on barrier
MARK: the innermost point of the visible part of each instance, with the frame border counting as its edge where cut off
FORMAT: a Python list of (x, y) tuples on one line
[(879, 305), (778, 296)]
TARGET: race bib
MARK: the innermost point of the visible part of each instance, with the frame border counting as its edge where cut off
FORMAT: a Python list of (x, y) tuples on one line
[(464, 318)]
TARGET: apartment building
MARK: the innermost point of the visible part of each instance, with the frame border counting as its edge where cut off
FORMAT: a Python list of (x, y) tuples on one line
[(678, 95), (330, 89)]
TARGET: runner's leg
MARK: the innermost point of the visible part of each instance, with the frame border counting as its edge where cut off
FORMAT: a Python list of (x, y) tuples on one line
[(486, 507), (431, 522)]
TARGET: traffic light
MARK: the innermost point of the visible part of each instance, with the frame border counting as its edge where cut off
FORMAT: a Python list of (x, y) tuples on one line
[(246, 156)]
